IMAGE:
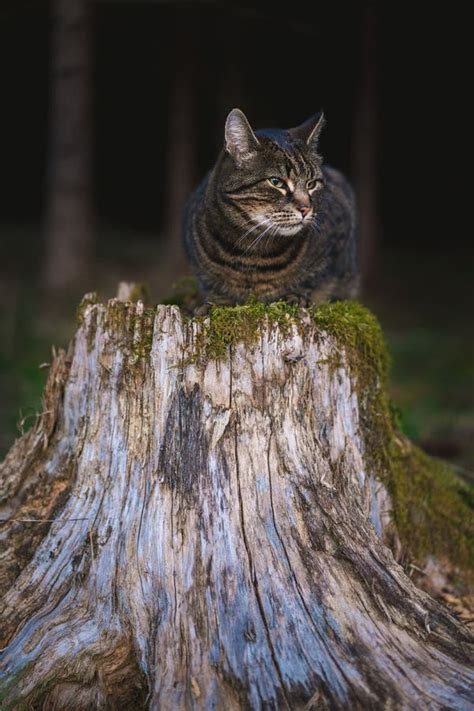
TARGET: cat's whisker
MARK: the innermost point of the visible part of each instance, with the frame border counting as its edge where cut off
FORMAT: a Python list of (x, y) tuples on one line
[(259, 237), (242, 237), (268, 234), (270, 237), (252, 229), (250, 221), (315, 225)]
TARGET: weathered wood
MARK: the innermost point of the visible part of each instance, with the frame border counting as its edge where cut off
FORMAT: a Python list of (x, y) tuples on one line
[(219, 535)]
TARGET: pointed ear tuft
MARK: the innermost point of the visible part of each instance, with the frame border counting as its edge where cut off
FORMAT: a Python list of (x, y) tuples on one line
[(240, 141), (309, 130)]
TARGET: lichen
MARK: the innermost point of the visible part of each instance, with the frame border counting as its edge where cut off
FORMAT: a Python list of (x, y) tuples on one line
[(432, 508)]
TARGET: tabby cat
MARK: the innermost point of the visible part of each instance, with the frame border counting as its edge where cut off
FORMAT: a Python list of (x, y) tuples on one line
[(271, 220)]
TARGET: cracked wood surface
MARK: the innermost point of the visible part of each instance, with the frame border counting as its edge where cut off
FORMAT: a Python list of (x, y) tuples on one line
[(221, 539)]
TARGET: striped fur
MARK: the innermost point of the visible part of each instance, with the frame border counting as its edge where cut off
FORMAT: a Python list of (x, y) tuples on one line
[(244, 236)]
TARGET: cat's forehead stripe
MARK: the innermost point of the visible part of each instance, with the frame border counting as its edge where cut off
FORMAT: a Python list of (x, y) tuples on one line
[(291, 157), (295, 169), (302, 158), (294, 163)]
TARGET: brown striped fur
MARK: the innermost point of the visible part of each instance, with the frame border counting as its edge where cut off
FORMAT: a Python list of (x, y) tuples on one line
[(296, 240)]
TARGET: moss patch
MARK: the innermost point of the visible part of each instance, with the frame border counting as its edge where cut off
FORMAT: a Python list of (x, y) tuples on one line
[(358, 332), (143, 333), (225, 326), (130, 329), (432, 506)]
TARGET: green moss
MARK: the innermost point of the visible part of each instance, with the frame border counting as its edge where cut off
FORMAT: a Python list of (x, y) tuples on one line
[(225, 326), (432, 507), (143, 333), (358, 331), (130, 330), (117, 316)]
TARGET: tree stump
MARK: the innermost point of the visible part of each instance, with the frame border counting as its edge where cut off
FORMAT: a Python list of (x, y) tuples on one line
[(205, 515)]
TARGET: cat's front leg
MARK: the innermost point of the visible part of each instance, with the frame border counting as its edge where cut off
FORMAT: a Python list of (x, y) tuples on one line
[(202, 309), (302, 300), (205, 309)]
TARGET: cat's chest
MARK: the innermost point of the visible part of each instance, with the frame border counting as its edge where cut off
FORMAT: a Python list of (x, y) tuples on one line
[(280, 264)]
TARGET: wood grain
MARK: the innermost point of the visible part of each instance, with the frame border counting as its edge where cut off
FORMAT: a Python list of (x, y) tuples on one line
[(221, 544)]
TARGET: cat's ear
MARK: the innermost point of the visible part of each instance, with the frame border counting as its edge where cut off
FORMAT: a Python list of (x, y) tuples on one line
[(310, 130), (240, 141)]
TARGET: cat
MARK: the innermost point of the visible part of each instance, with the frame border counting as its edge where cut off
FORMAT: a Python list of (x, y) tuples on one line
[(271, 221)]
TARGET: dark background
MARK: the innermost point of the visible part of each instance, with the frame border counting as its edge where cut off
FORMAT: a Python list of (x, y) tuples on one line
[(162, 77)]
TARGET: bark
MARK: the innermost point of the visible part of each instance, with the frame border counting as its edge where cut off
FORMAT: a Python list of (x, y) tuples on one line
[(219, 535), (70, 213)]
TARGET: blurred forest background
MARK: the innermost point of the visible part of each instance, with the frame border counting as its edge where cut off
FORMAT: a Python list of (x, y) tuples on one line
[(113, 110)]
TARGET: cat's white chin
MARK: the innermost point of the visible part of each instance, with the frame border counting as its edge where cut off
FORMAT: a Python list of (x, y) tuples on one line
[(290, 229)]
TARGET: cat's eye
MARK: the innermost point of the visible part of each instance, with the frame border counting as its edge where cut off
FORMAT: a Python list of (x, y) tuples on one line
[(277, 182), (312, 184)]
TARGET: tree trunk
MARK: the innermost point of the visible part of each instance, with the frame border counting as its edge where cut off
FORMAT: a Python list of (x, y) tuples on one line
[(182, 141), (365, 153), (220, 526), (69, 220)]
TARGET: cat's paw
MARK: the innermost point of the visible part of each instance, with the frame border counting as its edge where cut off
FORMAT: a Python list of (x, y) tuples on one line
[(202, 310), (297, 300)]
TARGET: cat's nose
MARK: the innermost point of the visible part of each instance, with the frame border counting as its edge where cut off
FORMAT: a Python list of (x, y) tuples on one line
[(304, 210)]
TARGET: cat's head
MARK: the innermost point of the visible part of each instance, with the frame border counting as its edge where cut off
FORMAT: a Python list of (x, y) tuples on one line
[(273, 176)]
